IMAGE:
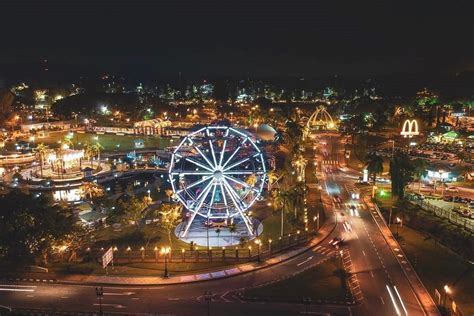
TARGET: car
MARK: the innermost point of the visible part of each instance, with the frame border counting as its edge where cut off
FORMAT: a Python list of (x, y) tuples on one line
[(465, 213), (447, 198), (452, 189), (337, 199), (336, 242)]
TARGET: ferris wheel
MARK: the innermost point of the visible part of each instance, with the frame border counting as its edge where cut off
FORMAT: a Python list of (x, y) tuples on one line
[(217, 172)]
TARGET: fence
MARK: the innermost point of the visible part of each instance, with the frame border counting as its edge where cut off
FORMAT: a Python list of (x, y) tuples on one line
[(251, 251), (451, 215)]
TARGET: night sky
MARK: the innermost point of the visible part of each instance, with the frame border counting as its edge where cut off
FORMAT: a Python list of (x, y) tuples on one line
[(261, 38)]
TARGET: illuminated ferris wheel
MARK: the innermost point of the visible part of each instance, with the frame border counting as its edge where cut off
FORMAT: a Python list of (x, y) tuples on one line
[(217, 173)]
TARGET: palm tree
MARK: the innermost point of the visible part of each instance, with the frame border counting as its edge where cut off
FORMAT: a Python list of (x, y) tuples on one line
[(92, 190), (41, 150), (96, 150), (89, 152), (374, 165), (232, 230), (419, 171), (169, 194), (272, 177), (67, 141)]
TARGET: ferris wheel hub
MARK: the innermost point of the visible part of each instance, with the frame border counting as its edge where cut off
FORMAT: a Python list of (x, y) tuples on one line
[(218, 175)]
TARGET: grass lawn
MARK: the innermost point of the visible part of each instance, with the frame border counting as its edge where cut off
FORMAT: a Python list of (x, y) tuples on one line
[(437, 266), (321, 282)]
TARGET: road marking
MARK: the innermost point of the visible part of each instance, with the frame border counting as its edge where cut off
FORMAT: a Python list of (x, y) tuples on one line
[(363, 252), (119, 294), (173, 299), (371, 274), (303, 262), (401, 301), (111, 305), (381, 298)]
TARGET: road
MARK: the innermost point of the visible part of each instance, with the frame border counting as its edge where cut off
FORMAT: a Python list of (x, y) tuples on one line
[(379, 283), (382, 286)]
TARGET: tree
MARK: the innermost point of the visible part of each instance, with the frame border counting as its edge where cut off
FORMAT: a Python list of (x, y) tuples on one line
[(374, 165), (92, 190), (130, 209), (170, 217), (96, 149), (232, 231), (419, 170), (68, 141), (169, 194), (89, 152), (356, 125), (31, 226), (401, 173), (41, 150)]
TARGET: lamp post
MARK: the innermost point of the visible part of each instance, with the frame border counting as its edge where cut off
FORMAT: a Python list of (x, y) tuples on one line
[(259, 244), (270, 245), (165, 251), (447, 290), (316, 219), (400, 222), (99, 292)]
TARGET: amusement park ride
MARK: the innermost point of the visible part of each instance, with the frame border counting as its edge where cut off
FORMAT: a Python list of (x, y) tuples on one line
[(217, 173)]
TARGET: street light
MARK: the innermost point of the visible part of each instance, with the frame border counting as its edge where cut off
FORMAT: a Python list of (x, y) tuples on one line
[(259, 244), (447, 290), (400, 222), (99, 292), (165, 251)]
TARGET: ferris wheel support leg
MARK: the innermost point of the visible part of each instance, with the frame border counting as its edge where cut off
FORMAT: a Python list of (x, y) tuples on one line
[(188, 225), (247, 223)]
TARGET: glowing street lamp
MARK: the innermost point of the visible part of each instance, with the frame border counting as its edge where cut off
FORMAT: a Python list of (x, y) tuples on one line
[(165, 251)]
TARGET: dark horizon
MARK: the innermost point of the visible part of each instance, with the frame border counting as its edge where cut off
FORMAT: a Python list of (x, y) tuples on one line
[(238, 38)]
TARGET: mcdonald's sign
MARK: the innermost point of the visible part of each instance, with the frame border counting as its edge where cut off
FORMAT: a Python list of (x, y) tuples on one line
[(410, 128)]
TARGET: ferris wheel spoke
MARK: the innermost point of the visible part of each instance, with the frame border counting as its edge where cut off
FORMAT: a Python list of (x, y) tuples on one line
[(244, 172), (213, 154), (234, 153), (229, 192), (243, 183), (236, 197), (203, 195), (223, 151), (237, 163), (204, 157), (191, 172), (213, 194), (223, 194), (193, 184), (199, 164)]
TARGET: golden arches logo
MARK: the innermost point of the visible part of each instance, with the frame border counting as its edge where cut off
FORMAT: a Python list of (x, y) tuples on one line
[(410, 128)]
